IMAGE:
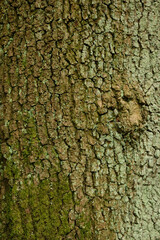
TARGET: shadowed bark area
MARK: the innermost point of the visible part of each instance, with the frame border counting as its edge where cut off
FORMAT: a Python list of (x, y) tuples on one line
[(79, 121)]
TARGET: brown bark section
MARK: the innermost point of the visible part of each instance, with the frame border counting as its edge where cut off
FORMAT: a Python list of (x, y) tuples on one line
[(71, 118)]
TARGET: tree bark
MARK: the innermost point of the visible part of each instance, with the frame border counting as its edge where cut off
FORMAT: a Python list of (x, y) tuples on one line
[(80, 152)]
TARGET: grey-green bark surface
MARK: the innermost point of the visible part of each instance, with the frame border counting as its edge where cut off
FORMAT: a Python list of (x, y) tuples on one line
[(80, 129)]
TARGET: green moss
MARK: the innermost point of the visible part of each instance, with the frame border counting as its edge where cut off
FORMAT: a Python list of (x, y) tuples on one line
[(85, 225), (34, 213), (13, 217), (50, 215), (64, 228)]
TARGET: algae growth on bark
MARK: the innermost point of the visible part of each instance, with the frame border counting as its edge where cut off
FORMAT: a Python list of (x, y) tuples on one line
[(80, 152)]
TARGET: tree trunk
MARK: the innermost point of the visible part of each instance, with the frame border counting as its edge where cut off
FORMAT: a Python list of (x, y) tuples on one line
[(80, 152)]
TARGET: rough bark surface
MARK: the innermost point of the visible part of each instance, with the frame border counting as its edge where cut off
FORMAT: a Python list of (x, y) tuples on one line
[(80, 151)]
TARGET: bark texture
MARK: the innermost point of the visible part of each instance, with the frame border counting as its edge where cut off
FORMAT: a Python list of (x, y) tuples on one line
[(80, 151)]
